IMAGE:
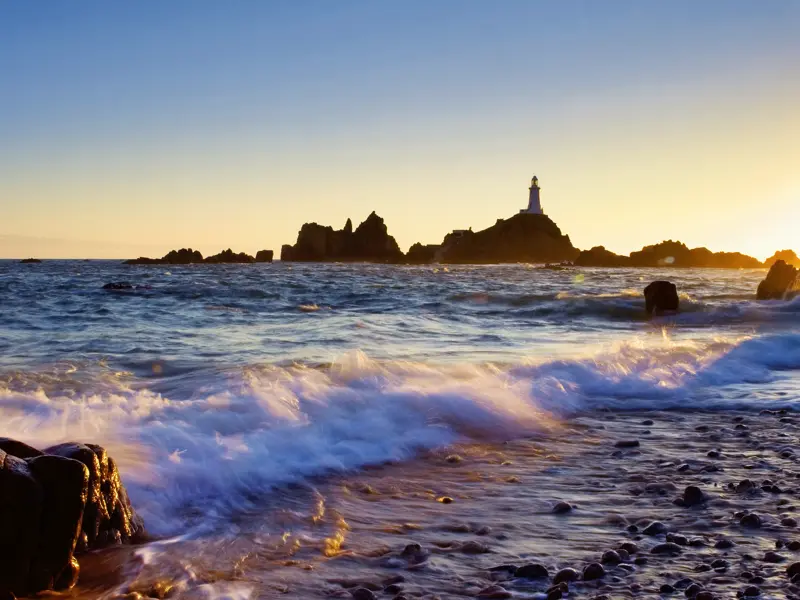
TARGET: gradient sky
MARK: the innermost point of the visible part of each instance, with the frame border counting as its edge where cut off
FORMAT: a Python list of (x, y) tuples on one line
[(130, 128)]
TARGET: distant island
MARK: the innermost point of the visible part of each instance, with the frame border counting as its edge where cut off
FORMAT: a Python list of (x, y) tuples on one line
[(187, 256)]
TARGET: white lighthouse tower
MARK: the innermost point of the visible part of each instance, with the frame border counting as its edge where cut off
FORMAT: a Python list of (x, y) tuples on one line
[(534, 202)]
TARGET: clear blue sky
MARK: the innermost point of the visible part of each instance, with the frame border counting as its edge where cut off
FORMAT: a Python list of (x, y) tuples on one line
[(131, 128)]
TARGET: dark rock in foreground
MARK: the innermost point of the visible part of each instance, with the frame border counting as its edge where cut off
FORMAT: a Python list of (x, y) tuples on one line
[(661, 296), (782, 283), (54, 505), (370, 242)]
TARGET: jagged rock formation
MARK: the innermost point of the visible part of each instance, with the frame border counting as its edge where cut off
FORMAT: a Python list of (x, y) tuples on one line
[(660, 297), (187, 256), (521, 239), (782, 283), (787, 256), (55, 505), (600, 257), (370, 242), (264, 256)]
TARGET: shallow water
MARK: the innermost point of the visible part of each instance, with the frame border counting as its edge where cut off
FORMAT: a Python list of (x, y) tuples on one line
[(215, 387)]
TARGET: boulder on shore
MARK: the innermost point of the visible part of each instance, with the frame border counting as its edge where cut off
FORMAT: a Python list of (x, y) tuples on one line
[(782, 283), (55, 505), (370, 242), (661, 296)]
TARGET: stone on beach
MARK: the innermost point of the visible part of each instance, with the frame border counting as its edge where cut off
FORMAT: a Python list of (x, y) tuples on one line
[(47, 502)]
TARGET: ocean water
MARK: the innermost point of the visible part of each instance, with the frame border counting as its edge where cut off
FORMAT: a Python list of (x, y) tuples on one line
[(213, 386)]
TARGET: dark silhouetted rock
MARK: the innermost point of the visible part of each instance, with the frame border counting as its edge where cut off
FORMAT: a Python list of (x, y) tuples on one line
[(229, 257), (782, 283), (661, 296), (524, 238), (600, 257), (593, 571), (420, 254), (693, 495), (532, 571), (677, 254), (787, 256), (370, 242), (118, 286), (264, 256), (30, 261), (20, 516)]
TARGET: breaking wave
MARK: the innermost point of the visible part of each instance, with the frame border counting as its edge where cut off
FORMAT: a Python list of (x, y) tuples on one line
[(197, 457)]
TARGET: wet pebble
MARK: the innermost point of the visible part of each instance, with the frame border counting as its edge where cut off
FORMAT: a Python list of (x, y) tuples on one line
[(655, 528), (693, 590), (561, 508), (724, 544), (567, 575), (610, 557), (751, 591), (494, 592), (474, 547), (627, 444), (773, 557), (593, 571), (362, 594), (666, 589), (666, 548), (693, 495), (532, 571), (751, 520)]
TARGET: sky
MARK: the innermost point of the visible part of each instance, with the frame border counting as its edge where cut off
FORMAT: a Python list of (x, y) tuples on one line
[(131, 128)]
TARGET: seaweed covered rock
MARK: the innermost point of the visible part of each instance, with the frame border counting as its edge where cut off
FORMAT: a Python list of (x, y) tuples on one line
[(54, 505), (782, 282)]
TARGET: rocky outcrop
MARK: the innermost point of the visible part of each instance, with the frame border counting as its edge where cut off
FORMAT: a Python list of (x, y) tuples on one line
[(184, 256), (660, 297), (600, 257), (229, 257), (264, 256), (524, 238), (187, 256), (370, 242), (677, 254), (55, 505), (420, 254), (782, 283), (787, 256)]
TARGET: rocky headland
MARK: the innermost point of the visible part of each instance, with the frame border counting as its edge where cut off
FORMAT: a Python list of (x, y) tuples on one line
[(369, 242)]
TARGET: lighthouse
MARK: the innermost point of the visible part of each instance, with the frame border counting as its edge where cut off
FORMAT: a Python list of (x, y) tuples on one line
[(534, 202)]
